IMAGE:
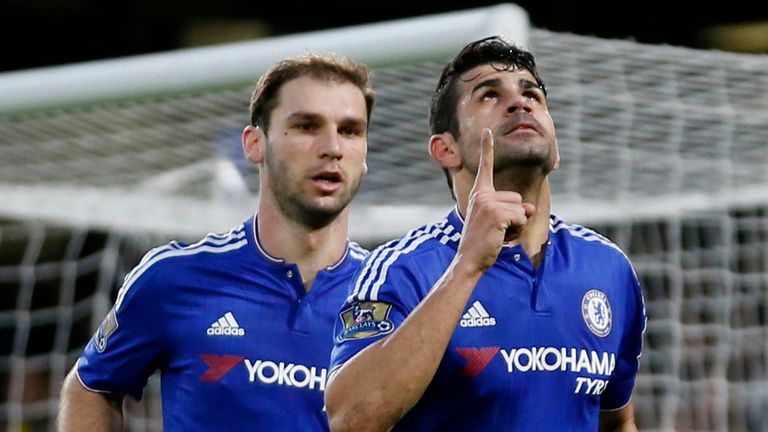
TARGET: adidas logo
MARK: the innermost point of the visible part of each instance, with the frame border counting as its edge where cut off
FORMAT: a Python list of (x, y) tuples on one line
[(477, 316), (226, 326)]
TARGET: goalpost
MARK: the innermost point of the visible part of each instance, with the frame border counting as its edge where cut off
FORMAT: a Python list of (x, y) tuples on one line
[(166, 126), (664, 149)]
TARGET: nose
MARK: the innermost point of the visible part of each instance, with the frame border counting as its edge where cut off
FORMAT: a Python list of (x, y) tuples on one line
[(519, 103), (330, 144)]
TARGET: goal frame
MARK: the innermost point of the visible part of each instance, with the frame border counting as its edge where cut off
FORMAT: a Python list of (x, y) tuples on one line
[(436, 36)]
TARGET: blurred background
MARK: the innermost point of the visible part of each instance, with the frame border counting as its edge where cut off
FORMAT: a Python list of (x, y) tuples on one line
[(52, 32), (662, 118)]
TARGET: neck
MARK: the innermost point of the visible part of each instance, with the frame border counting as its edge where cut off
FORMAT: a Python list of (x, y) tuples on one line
[(310, 249), (534, 190)]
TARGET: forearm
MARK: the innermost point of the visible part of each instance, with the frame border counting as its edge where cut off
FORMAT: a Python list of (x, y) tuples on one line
[(374, 389), (622, 420), (84, 410)]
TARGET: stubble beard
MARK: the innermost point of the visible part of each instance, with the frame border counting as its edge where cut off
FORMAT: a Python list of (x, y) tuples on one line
[(523, 159), (296, 205)]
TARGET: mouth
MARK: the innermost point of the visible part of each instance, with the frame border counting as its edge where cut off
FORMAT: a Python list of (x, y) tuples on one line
[(328, 177), (328, 182), (520, 124), (523, 127)]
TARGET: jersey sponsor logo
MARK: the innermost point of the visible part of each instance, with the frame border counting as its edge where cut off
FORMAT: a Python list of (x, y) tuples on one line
[(286, 374), (227, 325), (540, 359), (218, 366), (596, 311), (590, 386), (105, 330), (477, 359), (552, 359), (265, 371), (477, 316), (365, 319)]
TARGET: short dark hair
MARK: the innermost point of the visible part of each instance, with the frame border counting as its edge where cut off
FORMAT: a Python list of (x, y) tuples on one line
[(494, 51), (324, 67)]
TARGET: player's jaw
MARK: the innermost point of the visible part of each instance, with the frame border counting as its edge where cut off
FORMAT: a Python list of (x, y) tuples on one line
[(315, 197), (521, 140)]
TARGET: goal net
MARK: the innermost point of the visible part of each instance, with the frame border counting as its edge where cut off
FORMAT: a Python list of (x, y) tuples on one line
[(664, 149)]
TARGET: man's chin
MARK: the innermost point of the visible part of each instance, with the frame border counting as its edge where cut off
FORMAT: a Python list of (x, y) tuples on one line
[(322, 211), (331, 204)]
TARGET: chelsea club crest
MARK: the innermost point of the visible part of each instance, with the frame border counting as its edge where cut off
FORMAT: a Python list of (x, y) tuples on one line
[(597, 312)]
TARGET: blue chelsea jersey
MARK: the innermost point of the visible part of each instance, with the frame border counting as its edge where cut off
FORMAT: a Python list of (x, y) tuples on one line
[(239, 343), (541, 349)]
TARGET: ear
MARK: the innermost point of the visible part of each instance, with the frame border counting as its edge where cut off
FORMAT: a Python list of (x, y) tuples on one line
[(444, 150), (253, 141)]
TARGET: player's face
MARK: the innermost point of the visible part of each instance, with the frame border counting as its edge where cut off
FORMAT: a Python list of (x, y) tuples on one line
[(315, 148), (512, 105)]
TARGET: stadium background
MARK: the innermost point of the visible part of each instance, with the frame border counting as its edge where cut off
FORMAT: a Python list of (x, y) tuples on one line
[(54, 33)]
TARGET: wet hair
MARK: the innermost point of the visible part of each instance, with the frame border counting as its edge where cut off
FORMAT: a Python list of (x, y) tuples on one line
[(493, 51), (324, 67)]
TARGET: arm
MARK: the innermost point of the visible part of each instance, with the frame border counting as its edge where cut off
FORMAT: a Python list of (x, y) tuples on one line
[(83, 410), (621, 385), (373, 389), (621, 420), (118, 359)]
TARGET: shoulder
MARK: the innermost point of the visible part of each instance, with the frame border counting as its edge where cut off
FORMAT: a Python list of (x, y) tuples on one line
[(410, 260), (356, 252), (425, 240), (167, 263), (594, 250), (585, 239)]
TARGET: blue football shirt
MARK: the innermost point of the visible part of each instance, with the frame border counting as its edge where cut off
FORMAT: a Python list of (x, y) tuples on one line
[(239, 343), (541, 349)]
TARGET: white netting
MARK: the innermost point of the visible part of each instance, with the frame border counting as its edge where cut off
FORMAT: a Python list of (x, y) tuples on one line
[(664, 149)]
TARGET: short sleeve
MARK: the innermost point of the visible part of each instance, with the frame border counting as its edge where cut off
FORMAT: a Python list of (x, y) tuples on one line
[(377, 303), (619, 390), (126, 348)]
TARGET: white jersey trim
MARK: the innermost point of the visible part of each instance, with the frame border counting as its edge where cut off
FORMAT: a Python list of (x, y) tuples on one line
[(357, 251), (258, 242), (93, 390), (210, 244), (374, 273), (587, 234)]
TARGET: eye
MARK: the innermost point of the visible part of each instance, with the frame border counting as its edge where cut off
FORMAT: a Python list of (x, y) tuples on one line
[(489, 94), (352, 131), (305, 126), (534, 95)]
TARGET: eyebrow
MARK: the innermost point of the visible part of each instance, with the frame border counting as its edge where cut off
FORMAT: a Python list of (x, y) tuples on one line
[(528, 84), (492, 82), (523, 83), (303, 115), (318, 118)]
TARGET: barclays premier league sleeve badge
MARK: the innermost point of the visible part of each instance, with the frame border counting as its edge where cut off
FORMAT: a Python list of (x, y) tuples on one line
[(597, 312), (107, 327), (365, 319)]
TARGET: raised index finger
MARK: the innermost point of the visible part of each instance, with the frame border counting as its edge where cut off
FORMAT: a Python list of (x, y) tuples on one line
[(484, 177)]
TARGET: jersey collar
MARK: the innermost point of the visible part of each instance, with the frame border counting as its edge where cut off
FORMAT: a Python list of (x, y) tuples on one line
[(456, 220), (253, 232)]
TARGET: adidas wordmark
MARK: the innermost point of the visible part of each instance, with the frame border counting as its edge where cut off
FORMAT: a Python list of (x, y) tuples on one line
[(477, 316), (226, 326)]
